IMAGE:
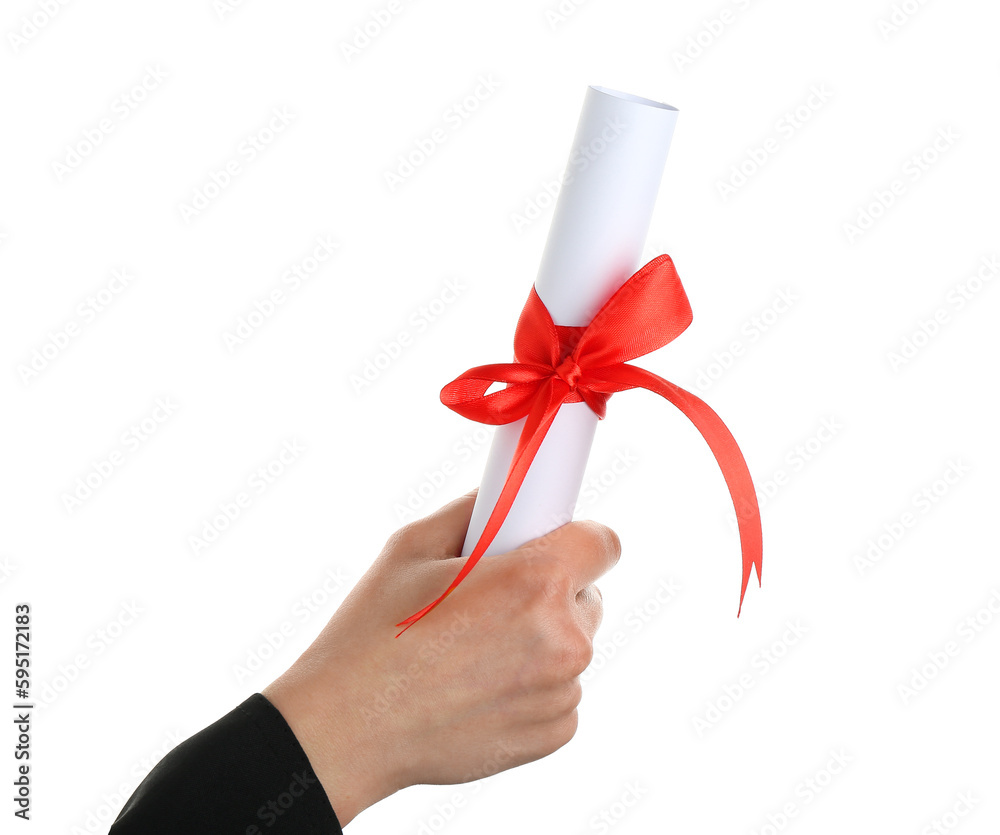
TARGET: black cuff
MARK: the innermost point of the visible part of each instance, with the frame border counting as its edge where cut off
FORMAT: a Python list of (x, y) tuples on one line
[(245, 774)]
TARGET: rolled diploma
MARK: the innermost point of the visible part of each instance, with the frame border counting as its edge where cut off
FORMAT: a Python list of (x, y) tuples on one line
[(597, 236)]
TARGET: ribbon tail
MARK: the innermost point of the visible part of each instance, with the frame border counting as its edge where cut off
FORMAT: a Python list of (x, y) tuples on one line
[(532, 434), (724, 447)]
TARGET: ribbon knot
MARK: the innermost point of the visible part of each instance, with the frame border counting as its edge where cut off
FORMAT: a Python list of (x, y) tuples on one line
[(569, 371), (649, 310)]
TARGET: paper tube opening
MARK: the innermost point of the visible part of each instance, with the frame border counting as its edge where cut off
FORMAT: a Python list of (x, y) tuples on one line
[(629, 97)]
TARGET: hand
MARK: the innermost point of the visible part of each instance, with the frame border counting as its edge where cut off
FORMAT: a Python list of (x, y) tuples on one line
[(486, 681)]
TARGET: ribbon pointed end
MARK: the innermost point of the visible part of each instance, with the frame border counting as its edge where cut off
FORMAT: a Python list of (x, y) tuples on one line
[(754, 564)]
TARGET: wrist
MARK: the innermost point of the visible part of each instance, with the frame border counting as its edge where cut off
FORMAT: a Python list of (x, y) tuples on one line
[(343, 749)]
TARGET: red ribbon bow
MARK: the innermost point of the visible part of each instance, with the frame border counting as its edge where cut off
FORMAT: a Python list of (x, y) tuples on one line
[(557, 365)]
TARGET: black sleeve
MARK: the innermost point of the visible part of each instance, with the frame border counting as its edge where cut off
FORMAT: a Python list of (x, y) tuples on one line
[(245, 774)]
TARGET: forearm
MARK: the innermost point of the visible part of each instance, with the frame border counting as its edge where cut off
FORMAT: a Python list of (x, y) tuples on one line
[(245, 773)]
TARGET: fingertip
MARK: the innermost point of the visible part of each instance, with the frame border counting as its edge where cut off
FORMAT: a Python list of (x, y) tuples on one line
[(588, 549), (607, 539), (616, 545)]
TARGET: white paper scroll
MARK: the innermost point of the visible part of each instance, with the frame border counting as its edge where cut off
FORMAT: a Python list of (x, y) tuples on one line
[(597, 236)]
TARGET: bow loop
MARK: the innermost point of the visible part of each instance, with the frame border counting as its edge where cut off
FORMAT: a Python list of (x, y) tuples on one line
[(648, 311), (537, 340), (557, 364), (467, 394)]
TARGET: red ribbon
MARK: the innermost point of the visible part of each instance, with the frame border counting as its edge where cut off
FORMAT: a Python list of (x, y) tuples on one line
[(556, 365)]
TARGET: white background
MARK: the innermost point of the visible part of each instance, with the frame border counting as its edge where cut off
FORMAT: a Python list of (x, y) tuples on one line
[(831, 687)]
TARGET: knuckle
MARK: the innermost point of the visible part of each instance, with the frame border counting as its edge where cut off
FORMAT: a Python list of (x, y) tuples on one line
[(406, 539), (554, 582), (521, 580), (399, 542), (562, 701), (534, 550), (572, 696), (571, 654), (583, 655), (565, 729)]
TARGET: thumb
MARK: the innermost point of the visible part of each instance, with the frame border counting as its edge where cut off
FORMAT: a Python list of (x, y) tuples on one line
[(441, 534)]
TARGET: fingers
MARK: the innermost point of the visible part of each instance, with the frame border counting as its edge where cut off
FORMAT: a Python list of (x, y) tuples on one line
[(590, 610), (439, 535), (583, 551)]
